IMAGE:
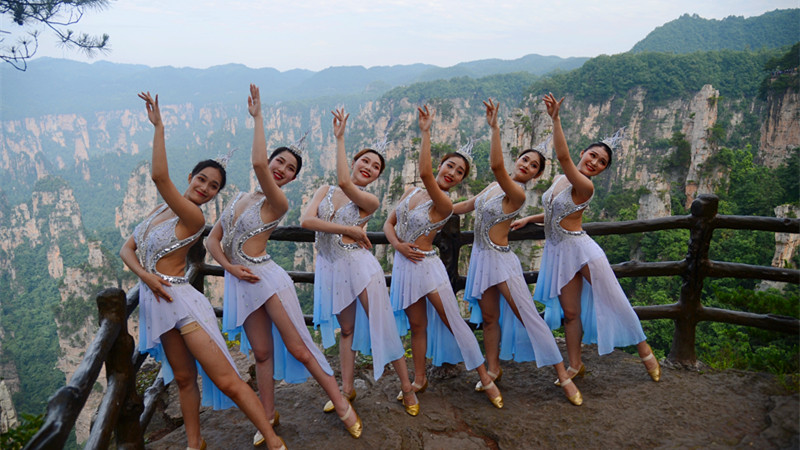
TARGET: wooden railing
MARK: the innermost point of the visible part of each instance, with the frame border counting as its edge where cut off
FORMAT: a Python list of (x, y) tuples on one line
[(125, 414)]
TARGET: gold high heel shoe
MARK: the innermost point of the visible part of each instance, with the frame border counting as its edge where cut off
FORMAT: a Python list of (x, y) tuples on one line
[(258, 438), (417, 389), (495, 377), (573, 373), (655, 372), (496, 401), (576, 399), (202, 445), (411, 410), (329, 406), (356, 428)]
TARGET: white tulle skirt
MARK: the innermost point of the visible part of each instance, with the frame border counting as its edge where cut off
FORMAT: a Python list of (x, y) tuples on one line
[(412, 282), (521, 341), (606, 314), (242, 298), (337, 285), (158, 317)]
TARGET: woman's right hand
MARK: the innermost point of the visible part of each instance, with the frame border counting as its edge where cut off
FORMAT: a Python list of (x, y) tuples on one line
[(553, 105), (254, 101), (410, 251), (153, 112), (519, 223), (156, 284), (492, 109), (339, 122), (358, 234), (243, 273)]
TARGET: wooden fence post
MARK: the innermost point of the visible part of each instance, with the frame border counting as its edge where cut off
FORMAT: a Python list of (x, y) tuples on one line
[(704, 210), (448, 241)]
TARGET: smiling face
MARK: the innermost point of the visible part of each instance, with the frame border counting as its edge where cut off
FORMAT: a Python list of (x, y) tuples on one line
[(451, 171), (283, 167), (204, 185), (594, 160), (528, 166), (366, 168)]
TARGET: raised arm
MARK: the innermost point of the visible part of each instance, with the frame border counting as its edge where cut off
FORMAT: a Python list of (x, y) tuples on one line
[(366, 201), (190, 215), (277, 199), (514, 193), (441, 201), (311, 221), (581, 184)]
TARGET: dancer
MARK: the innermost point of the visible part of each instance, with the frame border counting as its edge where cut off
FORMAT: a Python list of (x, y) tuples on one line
[(346, 271), (177, 325), (261, 303), (496, 288), (576, 281), (418, 273)]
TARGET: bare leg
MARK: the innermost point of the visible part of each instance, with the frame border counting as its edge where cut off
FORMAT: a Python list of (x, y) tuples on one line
[(409, 397), (347, 357), (490, 309), (185, 370), (258, 326), (296, 346), (226, 378), (418, 318), (570, 300)]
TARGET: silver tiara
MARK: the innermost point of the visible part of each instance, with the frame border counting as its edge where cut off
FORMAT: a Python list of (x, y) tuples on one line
[(542, 146), (380, 146), (224, 159), (466, 150), (299, 146), (614, 141)]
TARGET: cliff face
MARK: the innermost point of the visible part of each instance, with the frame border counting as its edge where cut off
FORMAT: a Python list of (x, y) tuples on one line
[(781, 131)]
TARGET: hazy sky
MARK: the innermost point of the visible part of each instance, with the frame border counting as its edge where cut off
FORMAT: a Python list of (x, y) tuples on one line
[(315, 34)]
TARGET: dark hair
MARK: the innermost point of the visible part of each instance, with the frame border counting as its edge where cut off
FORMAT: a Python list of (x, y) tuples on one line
[(605, 147), (299, 158), (367, 150), (213, 164), (542, 159), (450, 155)]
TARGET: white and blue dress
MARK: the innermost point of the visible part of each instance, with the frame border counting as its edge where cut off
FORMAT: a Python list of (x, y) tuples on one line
[(243, 297), (606, 314), (491, 264), (412, 282), (188, 304), (342, 272)]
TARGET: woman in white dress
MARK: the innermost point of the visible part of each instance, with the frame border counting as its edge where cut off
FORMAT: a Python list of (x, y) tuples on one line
[(496, 288), (421, 289), (261, 303), (576, 281), (177, 325), (349, 286)]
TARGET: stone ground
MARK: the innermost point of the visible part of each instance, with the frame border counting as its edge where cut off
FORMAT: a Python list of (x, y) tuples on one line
[(622, 409)]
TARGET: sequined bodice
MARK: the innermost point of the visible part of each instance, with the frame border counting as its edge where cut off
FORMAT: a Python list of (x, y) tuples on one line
[(154, 243), (237, 230), (330, 245), (557, 206), (415, 222), (488, 213)]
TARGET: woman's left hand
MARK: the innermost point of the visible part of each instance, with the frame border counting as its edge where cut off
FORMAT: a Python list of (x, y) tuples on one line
[(339, 122), (491, 113)]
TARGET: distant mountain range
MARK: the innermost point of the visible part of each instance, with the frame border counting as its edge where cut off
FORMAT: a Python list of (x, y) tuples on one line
[(38, 91)]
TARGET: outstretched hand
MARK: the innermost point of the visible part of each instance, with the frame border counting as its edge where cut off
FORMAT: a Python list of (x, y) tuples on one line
[(254, 101), (425, 118), (153, 112), (517, 224), (339, 122), (553, 105), (492, 109)]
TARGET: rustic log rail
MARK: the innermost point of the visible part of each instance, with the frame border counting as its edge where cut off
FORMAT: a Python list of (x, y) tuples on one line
[(124, 413)]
